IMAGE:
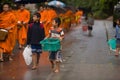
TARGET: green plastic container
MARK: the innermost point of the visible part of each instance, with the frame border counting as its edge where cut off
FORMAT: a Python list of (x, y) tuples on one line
[(112, 43), (50, 44)]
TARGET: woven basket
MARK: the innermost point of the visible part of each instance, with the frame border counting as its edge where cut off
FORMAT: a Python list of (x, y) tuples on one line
[(3, 34)]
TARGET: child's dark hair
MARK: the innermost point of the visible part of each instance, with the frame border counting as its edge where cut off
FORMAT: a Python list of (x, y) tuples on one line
[(37, 14), (57, 20)]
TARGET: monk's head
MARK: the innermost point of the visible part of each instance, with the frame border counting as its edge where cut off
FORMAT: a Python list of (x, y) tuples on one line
[(56, 22), (22, 6), (41, 8), (36, 17), (6, 7)]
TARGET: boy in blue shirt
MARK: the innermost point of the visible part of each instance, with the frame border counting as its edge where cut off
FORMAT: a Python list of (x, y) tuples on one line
[(117, 38)]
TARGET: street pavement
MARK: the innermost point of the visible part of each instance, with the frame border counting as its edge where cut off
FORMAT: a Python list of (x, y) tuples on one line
[(84, 58)]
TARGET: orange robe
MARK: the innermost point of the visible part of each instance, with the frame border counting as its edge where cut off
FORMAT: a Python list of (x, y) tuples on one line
[(43, 19), (51, 14), (61, 16), (73, 19), (43, 15), (7, 19), (78, 15), (15, 30), (23, 16), (67, 19)]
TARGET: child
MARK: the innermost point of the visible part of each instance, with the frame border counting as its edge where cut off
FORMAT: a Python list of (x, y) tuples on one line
[(90, 24), (84, 23), (35, 35), (117, 38), (55, 32)]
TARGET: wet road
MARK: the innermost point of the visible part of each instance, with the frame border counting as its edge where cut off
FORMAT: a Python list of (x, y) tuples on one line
[(85, 58)]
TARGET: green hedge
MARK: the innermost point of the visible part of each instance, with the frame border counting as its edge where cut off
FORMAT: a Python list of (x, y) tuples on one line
[(100, 15)]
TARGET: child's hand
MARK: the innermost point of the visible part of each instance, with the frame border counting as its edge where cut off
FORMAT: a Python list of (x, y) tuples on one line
[(45, 38), (28, 46), (60, 38)]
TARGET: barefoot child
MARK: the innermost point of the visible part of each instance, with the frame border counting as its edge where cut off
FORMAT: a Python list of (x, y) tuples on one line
[(117, 38), (35, 35), (55, 32)]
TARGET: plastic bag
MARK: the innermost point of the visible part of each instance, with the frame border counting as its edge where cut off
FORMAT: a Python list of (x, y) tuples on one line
[(27, 55), (59, 57), (85, 28)]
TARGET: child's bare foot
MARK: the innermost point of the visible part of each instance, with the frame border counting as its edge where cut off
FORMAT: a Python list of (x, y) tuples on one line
[(56, 71), (10, 59), (34, 67)]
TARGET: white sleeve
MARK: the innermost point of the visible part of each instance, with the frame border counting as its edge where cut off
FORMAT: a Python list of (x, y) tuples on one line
[(62, 33)]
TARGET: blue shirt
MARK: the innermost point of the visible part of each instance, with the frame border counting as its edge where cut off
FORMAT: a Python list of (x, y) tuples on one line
[(117, 32)]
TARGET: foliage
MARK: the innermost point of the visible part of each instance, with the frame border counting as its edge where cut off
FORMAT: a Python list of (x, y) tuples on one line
[(4, 1), (105, 7), (116, 14), (100, 15), (98, 7)]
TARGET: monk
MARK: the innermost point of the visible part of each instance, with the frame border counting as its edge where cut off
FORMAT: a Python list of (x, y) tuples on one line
[(67, 19), (61, 18), (7, 22), (78, 15), (51, 14), (43, 14), (73, 22), (15, 12), (22, 24)]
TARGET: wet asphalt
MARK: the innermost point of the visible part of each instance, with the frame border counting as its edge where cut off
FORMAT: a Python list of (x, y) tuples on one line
[(84, 58)]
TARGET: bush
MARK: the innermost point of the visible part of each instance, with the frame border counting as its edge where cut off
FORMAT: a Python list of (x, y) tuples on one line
[(116, 16), (100, 15)]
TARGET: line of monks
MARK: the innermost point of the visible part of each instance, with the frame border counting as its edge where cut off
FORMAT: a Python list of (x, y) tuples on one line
[(17, 22)]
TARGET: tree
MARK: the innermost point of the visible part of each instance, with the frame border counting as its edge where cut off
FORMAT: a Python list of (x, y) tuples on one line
[(104, 7), (4, 1)]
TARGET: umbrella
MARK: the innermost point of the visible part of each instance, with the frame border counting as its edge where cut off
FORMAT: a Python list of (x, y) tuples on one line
[(29, 1), (58, 9), (56, 3)]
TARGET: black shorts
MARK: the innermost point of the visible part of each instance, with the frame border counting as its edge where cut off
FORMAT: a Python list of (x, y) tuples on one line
[(52, 55), (36, 49), (90, 28), (118, 43)]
